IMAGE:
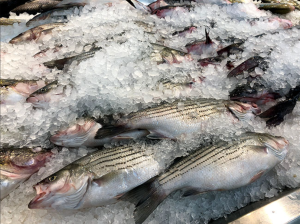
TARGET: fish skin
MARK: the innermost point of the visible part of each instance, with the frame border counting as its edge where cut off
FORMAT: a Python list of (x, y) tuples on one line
[(279, 8), (36, 6), (295, 3), (35, 33), (222, 166), (164, 11), (179, 118), (97, 179), (13, 91), (17, 165), (9, 22)]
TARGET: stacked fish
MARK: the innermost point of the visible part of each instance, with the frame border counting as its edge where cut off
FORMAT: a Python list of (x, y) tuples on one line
[(122, 159)]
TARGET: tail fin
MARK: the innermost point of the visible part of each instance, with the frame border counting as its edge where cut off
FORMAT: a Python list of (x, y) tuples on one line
[(146, 197), (207, 38)]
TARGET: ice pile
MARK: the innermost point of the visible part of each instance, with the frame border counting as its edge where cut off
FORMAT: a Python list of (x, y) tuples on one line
[(122, 78)]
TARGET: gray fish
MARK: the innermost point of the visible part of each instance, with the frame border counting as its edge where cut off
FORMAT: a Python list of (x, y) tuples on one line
[(174, 120), (9, 22), (36, 6), (35, 33), (222, 166), (97, 179), (17, 165)]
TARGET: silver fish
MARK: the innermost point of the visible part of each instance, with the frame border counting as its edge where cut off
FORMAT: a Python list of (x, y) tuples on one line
[(180, 118), (17, 165), (97, 179), (223, 166)]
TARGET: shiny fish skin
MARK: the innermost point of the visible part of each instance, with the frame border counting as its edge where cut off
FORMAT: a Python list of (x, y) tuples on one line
[(17, 165), (36, 6), (222, 166), (8, 22), (180, 118), (97, 179)]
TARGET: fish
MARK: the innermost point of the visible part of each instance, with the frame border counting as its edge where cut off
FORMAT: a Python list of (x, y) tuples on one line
[(179, 118), (60, 63), (283, 23), (83, 132), (279, 8), (8, 22), (36, 6), (202, 47), (35, 33), (14, 91), (98, 179), (276, 113), (7, 5), (219, 167), (165, 11), (248, 65), (258, 94), (295, 3), (17, 165), (52, 92), (162, 54)]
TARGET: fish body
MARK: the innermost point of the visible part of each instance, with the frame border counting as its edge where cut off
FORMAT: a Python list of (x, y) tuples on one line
[(222, 166), (165, 11), (180, 118), (36, 6), (8, 22), (279, 8), (295, 3), (97, 179), (163, 54), (13, 91), (83, 134), (52, 92), (35, 33), (17, 165)]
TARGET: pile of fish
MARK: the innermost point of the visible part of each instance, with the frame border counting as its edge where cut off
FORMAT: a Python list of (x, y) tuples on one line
[(115, 111)]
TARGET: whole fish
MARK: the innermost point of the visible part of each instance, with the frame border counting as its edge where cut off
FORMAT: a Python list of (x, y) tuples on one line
[(97, 179), (179, 118), (8, 22), (163, 54), (60, 63), (17, 165), (83, 132), (35, 33), (13, 91), (52, 92), (222, 166)]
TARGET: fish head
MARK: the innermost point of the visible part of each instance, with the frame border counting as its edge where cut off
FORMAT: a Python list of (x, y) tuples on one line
[(276, 145), (62, 190), (77, 134), (21, 163), (243, 111)]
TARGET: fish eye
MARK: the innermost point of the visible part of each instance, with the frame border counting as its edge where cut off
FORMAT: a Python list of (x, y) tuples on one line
[(52, 178)]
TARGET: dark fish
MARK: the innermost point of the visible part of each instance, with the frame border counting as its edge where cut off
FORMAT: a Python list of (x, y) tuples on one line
[(60, 63), (257, 94), (277, 113), (279, 8), (7, 5), (248, 65), (36, 6)]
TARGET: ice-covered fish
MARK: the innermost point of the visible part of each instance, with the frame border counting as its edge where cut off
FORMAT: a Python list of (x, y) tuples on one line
[(222, 166), (83, 134), (13, 91), (8, 22), (202, 47), (163, 54), (295, 3), (60, 63), (17, 165), (164, 11), (179, 118), (97, 179), (35, 33), (52, 92), (257, 93)]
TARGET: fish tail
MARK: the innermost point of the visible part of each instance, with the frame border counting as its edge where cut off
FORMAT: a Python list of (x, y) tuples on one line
[(146, 197), (207, 38)]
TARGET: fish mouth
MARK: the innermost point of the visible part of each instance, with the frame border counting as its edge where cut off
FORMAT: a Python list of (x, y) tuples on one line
[(36, 202)]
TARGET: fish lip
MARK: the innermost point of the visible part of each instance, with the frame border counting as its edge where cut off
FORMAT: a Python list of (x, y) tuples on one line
[(34, 203)]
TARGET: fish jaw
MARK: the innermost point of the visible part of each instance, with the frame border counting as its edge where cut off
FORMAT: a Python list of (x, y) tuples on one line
[(243, 111), (77, 135), (64, 193)]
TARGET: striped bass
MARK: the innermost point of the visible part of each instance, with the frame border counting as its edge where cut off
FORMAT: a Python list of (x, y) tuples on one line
[(97, 179), (223, 166), (179, 118)]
